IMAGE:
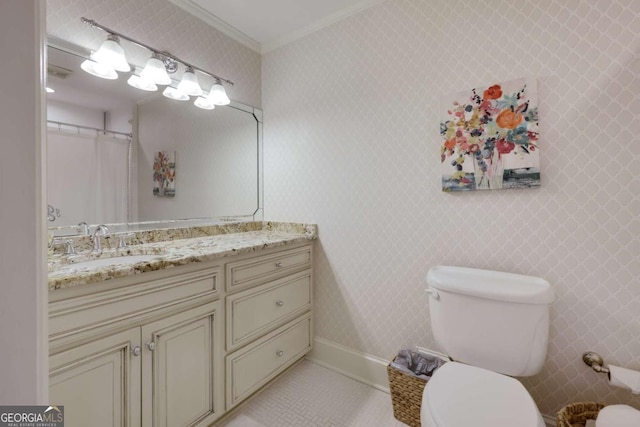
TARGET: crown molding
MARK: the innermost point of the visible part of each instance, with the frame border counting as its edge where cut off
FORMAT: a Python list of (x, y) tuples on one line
[(239, 36), (318, 25), (218, 24)]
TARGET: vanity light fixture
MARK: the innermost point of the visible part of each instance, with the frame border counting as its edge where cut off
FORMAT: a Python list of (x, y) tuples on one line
[(155, 71), (142, 84), (189, 83), (175, 94), (217, 95), (204, 103), (111, 58), (111, 54), (99, 70)]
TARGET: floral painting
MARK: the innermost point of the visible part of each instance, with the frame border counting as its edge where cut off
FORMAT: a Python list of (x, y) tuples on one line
[(490, 138), (164, 173)]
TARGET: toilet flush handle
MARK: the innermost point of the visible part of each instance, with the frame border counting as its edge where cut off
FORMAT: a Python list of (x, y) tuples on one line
[(433, 293)]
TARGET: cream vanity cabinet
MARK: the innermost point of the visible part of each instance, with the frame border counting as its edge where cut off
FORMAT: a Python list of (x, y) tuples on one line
[(139, 354), (268, 313), (179, 347)]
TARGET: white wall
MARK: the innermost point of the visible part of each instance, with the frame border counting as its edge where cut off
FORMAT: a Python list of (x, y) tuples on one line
[(352, 143), (23, 371), (74, 114)]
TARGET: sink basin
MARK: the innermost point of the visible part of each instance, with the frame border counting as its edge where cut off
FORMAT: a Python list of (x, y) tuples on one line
[(103, 262)]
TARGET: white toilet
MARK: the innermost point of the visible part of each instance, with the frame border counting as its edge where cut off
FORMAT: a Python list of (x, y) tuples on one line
[(493, 325)]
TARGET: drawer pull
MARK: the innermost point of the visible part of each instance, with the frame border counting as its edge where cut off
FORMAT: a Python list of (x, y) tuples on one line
[(136, 350), (279, 303), (279, 353), (151, 345), (278, 264)]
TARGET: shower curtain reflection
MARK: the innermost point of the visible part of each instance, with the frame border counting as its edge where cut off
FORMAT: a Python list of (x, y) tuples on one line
[(87, 177)]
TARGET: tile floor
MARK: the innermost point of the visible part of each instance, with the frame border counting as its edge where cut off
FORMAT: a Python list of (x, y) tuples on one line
[(311, 395)]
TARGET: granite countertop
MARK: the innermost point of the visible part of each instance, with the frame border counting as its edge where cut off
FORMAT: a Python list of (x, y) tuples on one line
[(174, 249)]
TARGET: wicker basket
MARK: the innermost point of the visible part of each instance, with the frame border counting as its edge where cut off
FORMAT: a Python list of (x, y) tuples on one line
[(577, 414), (406, 396)]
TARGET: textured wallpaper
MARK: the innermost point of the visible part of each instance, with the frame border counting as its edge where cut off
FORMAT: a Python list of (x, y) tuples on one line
[(164, 26), (352, 143)]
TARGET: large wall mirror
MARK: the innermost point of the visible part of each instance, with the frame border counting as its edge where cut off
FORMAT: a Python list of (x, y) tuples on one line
[(110, 146)]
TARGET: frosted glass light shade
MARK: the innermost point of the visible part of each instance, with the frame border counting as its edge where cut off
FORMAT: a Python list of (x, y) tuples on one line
[(111, 54), (155, 72), (142, 84), (176, 94), (218, 96), (189, 83), (99, 70), (204, 103)]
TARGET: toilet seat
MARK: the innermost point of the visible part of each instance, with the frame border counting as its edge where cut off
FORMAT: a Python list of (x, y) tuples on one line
[(460, 395)]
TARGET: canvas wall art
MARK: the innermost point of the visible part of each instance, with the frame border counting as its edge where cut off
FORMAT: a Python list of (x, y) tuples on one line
[(490, 138), (164, 173)]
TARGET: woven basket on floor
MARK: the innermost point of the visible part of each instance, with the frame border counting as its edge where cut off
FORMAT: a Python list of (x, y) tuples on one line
[(577, 414), (406, 396)]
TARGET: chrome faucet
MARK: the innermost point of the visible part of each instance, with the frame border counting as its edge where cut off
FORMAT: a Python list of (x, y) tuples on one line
[(68, 243), (101, 230)]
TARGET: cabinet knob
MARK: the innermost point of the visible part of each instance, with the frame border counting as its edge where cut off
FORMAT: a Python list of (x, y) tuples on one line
[(278, 264), (279, 353), (151, 345), (136, 350), (279, 303)]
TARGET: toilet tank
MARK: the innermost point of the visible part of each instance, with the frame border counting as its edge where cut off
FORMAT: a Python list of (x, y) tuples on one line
[(490, 319)]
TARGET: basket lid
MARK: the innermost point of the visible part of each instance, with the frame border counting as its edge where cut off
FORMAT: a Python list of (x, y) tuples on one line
[(460, 395)]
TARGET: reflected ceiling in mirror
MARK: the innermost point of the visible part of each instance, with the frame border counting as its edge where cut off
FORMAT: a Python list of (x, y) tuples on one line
[(107, 177)]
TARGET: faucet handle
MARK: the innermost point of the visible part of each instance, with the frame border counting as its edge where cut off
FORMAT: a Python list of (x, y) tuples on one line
[(83, 228), (122, 242), (69, 249)]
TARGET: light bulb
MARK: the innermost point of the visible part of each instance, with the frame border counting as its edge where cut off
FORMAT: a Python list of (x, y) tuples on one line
[(176, 94), (154, 71), (142, 84), (111, 54), (204, 103), (189, 83), (99, 70), (217, 95)]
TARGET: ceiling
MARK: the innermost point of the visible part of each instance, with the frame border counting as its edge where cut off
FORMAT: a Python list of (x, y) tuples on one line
[(265, 25)]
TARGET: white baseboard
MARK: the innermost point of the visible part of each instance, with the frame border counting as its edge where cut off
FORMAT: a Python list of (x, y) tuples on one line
[(363, 367)]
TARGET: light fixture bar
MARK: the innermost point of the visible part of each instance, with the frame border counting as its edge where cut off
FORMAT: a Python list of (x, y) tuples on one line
[(94, 24)]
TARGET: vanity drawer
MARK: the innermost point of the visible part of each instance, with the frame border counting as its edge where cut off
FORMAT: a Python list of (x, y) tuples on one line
[(98, 309), (252, 367), (253, 312), (258, 270)]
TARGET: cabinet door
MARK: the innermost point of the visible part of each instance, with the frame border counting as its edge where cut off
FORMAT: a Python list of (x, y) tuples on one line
[(182, 379), (98, 383)]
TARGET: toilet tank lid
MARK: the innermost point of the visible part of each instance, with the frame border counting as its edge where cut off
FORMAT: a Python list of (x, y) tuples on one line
[(489, 284)]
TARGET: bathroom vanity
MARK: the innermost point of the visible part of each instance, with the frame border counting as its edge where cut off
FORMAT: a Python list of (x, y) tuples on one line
[(183, 337)]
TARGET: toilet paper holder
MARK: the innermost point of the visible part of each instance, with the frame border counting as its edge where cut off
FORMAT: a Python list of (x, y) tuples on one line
[(595, 361)]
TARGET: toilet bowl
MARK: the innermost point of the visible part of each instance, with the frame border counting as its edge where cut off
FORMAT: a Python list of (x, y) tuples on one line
[(460, 395), (495, 325)]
